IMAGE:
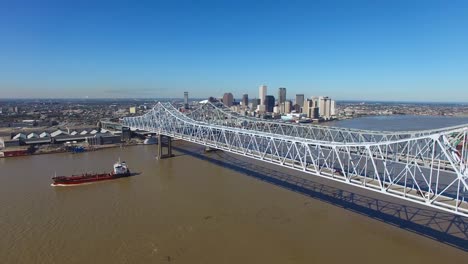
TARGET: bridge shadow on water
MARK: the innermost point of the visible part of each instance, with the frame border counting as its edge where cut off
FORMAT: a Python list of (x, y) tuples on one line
[(444, 227)]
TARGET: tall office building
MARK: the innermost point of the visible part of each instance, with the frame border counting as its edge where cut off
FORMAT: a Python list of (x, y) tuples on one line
[(299, 101), (281, 95), (245, 100), (297, 108), (310, 108), (325, 107), (315, 101), (269, 103), (254, 104), (186, 100), (306, 108), (333, 108), (262, 90), (228, 99), (287, 106)]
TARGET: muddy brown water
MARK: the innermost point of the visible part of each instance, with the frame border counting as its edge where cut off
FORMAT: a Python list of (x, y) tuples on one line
[(198, 208)]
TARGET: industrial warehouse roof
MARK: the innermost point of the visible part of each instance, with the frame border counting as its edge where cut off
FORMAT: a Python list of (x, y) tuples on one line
[(33, 135), (57, 133), (19, 135)]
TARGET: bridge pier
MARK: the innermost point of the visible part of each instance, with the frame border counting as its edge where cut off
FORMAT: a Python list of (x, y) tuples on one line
[(164, 142)]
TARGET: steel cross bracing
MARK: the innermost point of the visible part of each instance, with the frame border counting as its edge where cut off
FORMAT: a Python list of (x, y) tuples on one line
[(429, 169), (218, 113)]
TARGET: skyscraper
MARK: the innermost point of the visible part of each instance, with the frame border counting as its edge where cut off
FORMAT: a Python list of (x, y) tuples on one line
[(253, 104), (298, 108), (228, 99), (300, 100), (262, 94), (269, 103), (333, 108), (186, 100), (287, 106), (310, 108), (281, 95), (245, 100), (325, 107)]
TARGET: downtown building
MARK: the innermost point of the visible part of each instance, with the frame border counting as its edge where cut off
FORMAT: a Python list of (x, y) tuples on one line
[(282, 100), (245, 100), (262, 93), (186, 105), (269, 103), (228, 99), (299, 103), (320, 107)]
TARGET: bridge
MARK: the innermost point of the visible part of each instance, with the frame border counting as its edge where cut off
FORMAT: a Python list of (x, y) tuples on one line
[(425, 167)]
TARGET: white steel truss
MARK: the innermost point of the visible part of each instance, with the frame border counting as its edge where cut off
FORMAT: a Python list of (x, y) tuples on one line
[(428, 168), (219, 114)]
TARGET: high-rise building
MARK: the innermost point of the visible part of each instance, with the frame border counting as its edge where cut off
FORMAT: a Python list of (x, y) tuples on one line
[(315, 101), (262, 90), (281, 95), (186, 105), (325, 107), (299, 101), (253, 104), (310, 108), (306, 108), (297, 108), (333, 108), (269, 103), (245, 100), (281, 108), (228, 99), (287, 106)]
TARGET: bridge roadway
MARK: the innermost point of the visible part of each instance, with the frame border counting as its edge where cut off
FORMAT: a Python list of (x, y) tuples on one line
[(422, 167)]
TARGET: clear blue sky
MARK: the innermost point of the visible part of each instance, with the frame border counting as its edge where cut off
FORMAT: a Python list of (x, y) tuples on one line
[(365, 50)]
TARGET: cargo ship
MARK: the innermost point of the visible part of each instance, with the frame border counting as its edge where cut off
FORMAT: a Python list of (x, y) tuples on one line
[(120, 170)]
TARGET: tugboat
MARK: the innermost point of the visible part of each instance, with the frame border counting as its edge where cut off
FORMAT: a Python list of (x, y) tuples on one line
[(120, 170)]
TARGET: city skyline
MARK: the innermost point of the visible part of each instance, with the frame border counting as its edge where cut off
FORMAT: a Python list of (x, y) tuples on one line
[(367, 51)]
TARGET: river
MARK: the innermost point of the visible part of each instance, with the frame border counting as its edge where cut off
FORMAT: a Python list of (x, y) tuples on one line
[(212, 208)]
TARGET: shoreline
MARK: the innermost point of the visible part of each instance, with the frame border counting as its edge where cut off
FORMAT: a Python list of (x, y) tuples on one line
[(67, 151)]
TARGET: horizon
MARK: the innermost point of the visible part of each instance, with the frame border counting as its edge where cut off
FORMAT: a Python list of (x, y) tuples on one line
[(235, 99), (361, 50)]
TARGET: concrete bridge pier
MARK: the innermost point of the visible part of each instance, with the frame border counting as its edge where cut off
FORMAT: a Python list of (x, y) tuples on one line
[(164, 142)]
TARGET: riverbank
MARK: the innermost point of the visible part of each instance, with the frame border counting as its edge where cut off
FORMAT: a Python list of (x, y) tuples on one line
[(24, 151)]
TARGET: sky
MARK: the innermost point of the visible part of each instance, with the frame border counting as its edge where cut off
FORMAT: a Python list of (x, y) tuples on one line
[(348, 50)]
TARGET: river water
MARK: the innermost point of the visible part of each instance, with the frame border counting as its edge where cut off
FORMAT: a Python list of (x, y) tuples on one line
[(211, 208)]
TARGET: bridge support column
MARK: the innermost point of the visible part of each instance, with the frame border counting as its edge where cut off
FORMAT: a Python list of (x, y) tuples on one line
[(164, 142)]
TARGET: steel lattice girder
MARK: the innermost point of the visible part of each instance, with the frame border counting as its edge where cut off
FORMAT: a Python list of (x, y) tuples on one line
[(427, 169), (219, 114)]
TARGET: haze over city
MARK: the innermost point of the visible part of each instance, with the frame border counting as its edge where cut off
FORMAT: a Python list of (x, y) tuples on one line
[(349, 50)]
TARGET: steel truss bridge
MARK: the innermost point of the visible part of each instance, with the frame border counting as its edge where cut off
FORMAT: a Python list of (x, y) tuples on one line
[(426, 167)]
